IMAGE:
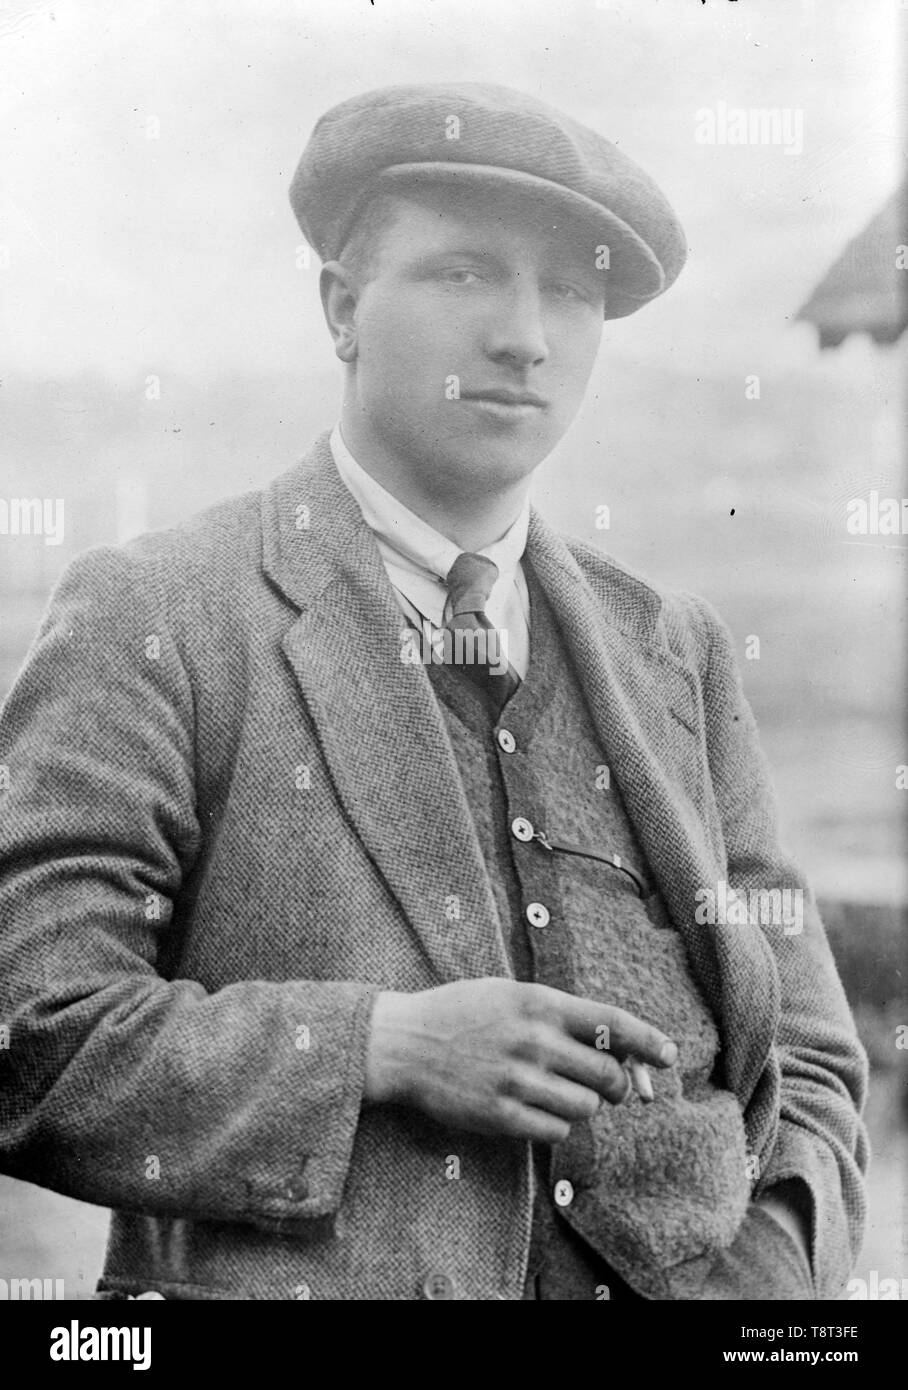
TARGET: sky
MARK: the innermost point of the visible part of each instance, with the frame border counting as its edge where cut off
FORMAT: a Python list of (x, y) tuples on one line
[(147, 148)]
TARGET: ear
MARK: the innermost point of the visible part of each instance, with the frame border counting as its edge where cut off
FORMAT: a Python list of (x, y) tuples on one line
[(339, 293)]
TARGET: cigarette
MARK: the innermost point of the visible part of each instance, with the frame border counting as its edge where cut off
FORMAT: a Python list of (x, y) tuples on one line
[(641, 1079)]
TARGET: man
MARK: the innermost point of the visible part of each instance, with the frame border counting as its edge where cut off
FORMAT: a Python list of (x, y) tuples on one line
[(356, 830)]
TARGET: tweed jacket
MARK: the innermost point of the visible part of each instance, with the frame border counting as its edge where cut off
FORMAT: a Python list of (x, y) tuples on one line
[(232, 815)]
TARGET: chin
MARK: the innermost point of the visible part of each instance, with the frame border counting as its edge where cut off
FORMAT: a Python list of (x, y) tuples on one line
[(485, 468), (505, 456)]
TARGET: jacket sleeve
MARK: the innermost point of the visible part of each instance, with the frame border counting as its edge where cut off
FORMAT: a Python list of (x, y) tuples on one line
[(117, 1085), (820, 1140)]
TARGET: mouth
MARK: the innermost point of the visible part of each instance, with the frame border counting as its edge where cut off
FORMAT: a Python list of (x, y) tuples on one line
[(505, 404)]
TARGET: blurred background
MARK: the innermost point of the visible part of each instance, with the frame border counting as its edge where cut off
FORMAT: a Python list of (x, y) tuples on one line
[(161, 347)]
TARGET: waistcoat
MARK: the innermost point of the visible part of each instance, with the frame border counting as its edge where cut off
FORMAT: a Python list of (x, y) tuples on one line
[(654, 1190)]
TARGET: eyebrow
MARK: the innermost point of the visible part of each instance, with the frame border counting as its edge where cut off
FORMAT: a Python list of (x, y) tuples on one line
[(428, 258)]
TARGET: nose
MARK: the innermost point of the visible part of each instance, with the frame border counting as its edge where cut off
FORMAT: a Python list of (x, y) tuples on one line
[(516, 333)]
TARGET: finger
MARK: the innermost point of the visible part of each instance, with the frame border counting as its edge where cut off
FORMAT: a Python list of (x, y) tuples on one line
[(614, 1030), (588, 1067), (546, 1090), (519, 1121)]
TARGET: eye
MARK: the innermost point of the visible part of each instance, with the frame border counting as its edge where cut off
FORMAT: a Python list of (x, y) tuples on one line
[(459, 275), (563, 289)]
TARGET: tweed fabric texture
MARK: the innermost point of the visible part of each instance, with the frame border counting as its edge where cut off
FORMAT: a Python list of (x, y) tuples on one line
[(667, 1182), (461, 133), (232, 815), (470, 720), (764, 1264)]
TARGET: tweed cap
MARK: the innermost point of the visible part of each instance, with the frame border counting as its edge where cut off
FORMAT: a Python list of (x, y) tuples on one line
[(459, 133)]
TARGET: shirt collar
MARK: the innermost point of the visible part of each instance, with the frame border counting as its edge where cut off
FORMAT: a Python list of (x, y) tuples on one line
[(417, 556)]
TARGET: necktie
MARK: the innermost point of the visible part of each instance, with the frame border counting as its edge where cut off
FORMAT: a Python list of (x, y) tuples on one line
[(476, 647)]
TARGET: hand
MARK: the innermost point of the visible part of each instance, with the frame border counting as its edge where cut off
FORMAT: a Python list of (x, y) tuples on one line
[(498, 1056)]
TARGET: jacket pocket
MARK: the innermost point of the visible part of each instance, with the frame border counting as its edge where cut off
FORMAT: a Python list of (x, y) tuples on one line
[(763, 1263)]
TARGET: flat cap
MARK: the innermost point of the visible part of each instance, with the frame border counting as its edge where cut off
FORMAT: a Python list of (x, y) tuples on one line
[(473, 132)]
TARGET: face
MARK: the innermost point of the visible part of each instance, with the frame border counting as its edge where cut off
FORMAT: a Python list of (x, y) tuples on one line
[(473, 337)]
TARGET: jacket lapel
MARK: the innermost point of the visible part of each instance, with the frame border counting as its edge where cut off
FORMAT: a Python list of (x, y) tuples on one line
[(387, 750), (380, 728), (644, 702)]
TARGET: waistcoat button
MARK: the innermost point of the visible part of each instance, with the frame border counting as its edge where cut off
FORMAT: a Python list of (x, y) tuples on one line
[(538, 915), (522, 829), (506, 741), (437, 1284), (564, 1193)]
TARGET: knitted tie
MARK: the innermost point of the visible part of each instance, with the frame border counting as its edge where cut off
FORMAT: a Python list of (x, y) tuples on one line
[(470, 580)]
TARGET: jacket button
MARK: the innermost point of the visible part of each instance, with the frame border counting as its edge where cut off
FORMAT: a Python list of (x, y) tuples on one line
[(522, 829), (538, 915), (564, 1193), (506, 741), (297, 1189), (438, 1285)]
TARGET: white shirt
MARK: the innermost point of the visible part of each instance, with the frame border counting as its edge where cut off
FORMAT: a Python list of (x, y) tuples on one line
[(417, 559)]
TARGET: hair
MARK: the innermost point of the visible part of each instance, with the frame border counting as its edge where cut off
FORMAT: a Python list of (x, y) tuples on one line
[(361, 251)]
